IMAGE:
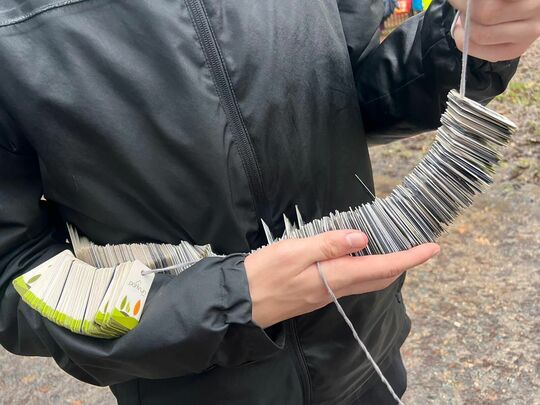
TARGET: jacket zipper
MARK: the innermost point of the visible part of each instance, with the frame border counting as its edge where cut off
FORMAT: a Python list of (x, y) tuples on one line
[(300, 360), (225, 92)]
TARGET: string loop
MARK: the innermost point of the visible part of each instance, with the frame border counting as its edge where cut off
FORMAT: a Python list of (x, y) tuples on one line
[(356, 337), (466, 40), (462, 88)]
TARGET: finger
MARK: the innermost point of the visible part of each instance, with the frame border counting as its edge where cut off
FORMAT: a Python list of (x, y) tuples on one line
[(492, 53), (459, 4), (316, 294), (514, 32), (491, 12), (325, 246), (368, 286), (348, 271)]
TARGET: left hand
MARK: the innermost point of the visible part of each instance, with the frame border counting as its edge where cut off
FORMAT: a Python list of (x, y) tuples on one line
[(500, 29)]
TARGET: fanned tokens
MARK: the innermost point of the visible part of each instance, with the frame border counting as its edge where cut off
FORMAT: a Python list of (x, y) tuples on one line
[(101, 292), (99, 302)]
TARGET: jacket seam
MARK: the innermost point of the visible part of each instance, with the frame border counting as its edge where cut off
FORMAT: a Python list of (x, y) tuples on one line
[(308, 374), (38, 11), (233, 93), (139, 396), (299, 360), (237, 106), (391, 347), (409, 81), (225, 318)]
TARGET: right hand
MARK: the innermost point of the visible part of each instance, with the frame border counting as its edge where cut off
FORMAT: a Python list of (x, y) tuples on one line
[(284, 281), (500, 29)]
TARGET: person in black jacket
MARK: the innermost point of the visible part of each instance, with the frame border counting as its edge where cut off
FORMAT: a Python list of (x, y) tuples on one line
[(193, 120)]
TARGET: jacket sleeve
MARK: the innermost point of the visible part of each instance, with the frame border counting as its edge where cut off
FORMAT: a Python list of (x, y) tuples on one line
[(402, 84), (190, 322)]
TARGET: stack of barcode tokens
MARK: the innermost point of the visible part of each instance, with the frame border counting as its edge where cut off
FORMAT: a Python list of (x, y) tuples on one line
[(163, 256), (83, 293), (82, 298), (459, 165), (102, 291)]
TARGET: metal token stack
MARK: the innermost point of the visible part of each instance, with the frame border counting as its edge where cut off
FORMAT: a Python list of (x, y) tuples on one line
[(458, 166)]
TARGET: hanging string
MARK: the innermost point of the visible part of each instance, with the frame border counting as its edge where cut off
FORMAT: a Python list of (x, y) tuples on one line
[(357, 338), (466, 40), (462, 87)]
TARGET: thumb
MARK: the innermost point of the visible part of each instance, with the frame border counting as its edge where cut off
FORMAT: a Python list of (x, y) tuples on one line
[(330, 245)]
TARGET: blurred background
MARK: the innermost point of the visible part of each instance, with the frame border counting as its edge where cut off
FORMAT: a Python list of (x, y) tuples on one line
[(397, 11), (475, 309)]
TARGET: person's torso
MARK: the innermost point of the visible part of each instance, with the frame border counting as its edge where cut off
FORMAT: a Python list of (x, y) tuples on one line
[(190, 120)]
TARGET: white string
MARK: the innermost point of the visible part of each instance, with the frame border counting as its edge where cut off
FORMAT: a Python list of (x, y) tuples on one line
[(462, 88), (355, 334), (466, 40), (174, 267)]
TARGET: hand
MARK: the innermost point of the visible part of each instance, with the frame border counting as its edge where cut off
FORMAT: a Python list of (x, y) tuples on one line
[(500, 29), (284, 281)]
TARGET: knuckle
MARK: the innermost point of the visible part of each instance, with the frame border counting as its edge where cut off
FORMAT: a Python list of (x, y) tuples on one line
[(330, 247), (485, 14), (507, 53), (481, 35), (316, 298), (283, 251), (392, 272)]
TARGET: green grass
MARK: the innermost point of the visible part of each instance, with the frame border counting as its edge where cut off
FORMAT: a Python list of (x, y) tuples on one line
[(522, 93)]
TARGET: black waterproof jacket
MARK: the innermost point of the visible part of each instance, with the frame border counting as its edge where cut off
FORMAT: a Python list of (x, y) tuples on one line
[(170, 120)]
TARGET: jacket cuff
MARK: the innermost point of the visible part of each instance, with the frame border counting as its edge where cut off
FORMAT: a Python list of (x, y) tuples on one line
[(190, 323), (255, 342)]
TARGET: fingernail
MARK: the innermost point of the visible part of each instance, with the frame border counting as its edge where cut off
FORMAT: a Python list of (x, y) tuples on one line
[(356, 239), (436, 251)]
